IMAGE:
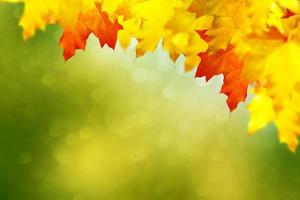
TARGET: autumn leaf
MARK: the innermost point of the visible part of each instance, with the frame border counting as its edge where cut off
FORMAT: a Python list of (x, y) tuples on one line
[(227, 63), (93, 21), (155, 20), (272, 61), (37, 14)]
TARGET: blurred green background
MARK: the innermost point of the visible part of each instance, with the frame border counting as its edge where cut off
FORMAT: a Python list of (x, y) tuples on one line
[(108, 126)]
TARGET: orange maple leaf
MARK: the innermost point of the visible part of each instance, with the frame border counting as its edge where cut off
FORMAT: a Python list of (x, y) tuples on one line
[(225, 62), (93, 21)]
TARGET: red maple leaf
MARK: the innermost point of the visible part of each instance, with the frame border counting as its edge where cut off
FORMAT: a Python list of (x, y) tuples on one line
[(93, 21), (227, 63)]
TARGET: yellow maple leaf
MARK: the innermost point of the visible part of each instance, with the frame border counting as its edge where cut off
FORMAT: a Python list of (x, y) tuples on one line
[(37, 14), (153, 20), (228, 20), (272, 61), (233, 18)]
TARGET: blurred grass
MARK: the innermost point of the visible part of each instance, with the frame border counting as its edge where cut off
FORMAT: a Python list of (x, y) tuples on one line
[(108, 126)]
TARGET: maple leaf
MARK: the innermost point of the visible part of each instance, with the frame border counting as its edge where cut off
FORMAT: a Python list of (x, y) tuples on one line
[(37, 14), (154, 20), (228, 20), (93, 21), (272, 61), (233, 18), (227, 63)]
